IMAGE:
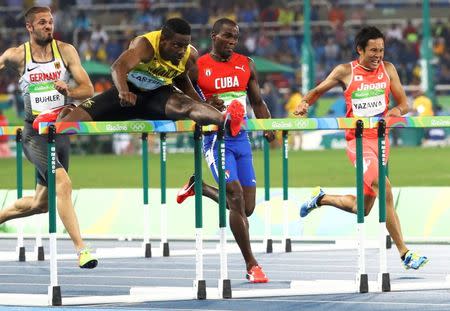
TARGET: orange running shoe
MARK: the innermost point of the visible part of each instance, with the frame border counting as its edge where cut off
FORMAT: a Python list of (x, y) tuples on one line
[(187, 190), (49, 115), (257, 275), (235, 113)]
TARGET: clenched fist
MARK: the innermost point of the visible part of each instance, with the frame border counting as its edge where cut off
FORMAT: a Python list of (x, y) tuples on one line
[(217, 103), (62, 87), (302, 109), (269, 135), (127, 99)]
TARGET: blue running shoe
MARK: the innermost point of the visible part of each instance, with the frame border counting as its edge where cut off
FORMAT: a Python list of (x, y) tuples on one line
[(311, 204), (414, 261)]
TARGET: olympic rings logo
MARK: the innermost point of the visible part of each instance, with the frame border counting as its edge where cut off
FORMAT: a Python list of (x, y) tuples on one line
[(138, 127), (302, 123)]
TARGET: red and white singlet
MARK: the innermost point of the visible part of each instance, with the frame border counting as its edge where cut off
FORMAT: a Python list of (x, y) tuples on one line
[(367, 95)]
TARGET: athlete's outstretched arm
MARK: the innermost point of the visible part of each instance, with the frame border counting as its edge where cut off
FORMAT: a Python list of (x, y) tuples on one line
[(397, 91), (84, 88), (187, 81), (335, 78), (12, 57), (140, 50)]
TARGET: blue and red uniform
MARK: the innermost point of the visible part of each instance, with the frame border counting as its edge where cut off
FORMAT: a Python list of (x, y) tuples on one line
[(228, 80)]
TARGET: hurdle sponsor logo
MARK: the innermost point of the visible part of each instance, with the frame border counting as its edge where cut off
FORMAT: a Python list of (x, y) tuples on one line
[(138, 127), (383, 152), (302, 123), (286, 148), (164, 151), (440, 123), (222, 152), (53, 159), (116, 128), (281, 124)]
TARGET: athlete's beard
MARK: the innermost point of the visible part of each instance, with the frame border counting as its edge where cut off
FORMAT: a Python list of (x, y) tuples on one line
[(44, 42)]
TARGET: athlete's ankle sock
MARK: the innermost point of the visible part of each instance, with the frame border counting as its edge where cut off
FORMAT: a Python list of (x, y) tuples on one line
[(319, 201), (404, 255)]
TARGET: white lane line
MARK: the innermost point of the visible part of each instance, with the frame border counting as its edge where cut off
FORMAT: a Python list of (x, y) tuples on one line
[(352, 302), (399, 274), (46, 284)]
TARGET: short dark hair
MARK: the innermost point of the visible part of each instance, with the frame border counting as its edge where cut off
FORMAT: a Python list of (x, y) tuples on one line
[(365, 34), (31, 12), (175, 25), (220, 22)]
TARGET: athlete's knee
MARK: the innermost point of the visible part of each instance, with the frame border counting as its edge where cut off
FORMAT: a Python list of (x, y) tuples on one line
[(249, 206), (74, 115), (249, 210), (64, 187), (40, 206), (64, 112), (235, 200), (179, 104), (368, 204)]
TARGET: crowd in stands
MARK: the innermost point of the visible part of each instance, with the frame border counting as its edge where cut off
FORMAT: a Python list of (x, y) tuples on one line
[(271, 29)]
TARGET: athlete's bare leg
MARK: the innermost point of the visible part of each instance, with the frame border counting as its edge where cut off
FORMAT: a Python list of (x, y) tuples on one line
[(249, 198), (239, 222), (39, 204), (65, 207), (348, 204), (241, 203), (180, 106), (77, 114), (26, 206)]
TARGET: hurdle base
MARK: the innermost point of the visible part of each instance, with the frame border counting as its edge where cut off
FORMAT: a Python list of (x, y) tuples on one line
[(148, 250), (54, 296), (363, 283), (288, 246), (21, 252), (165, 247), (269, 246), (384, 282), (39, 251), (388, 242), (225, 289), (200, 289)]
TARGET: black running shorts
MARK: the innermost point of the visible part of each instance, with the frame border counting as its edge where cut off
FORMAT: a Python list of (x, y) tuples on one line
[(35, 149), (150, 105)]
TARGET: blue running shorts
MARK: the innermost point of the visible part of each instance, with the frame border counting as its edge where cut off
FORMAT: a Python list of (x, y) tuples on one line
[(238, 158)]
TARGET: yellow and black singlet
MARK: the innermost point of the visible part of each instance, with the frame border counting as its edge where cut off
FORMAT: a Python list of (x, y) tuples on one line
[(157, 72)]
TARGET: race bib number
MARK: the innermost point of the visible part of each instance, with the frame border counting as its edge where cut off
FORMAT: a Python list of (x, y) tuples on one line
[(43, 96), (368, 103), (230, 96), (144, 81)]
